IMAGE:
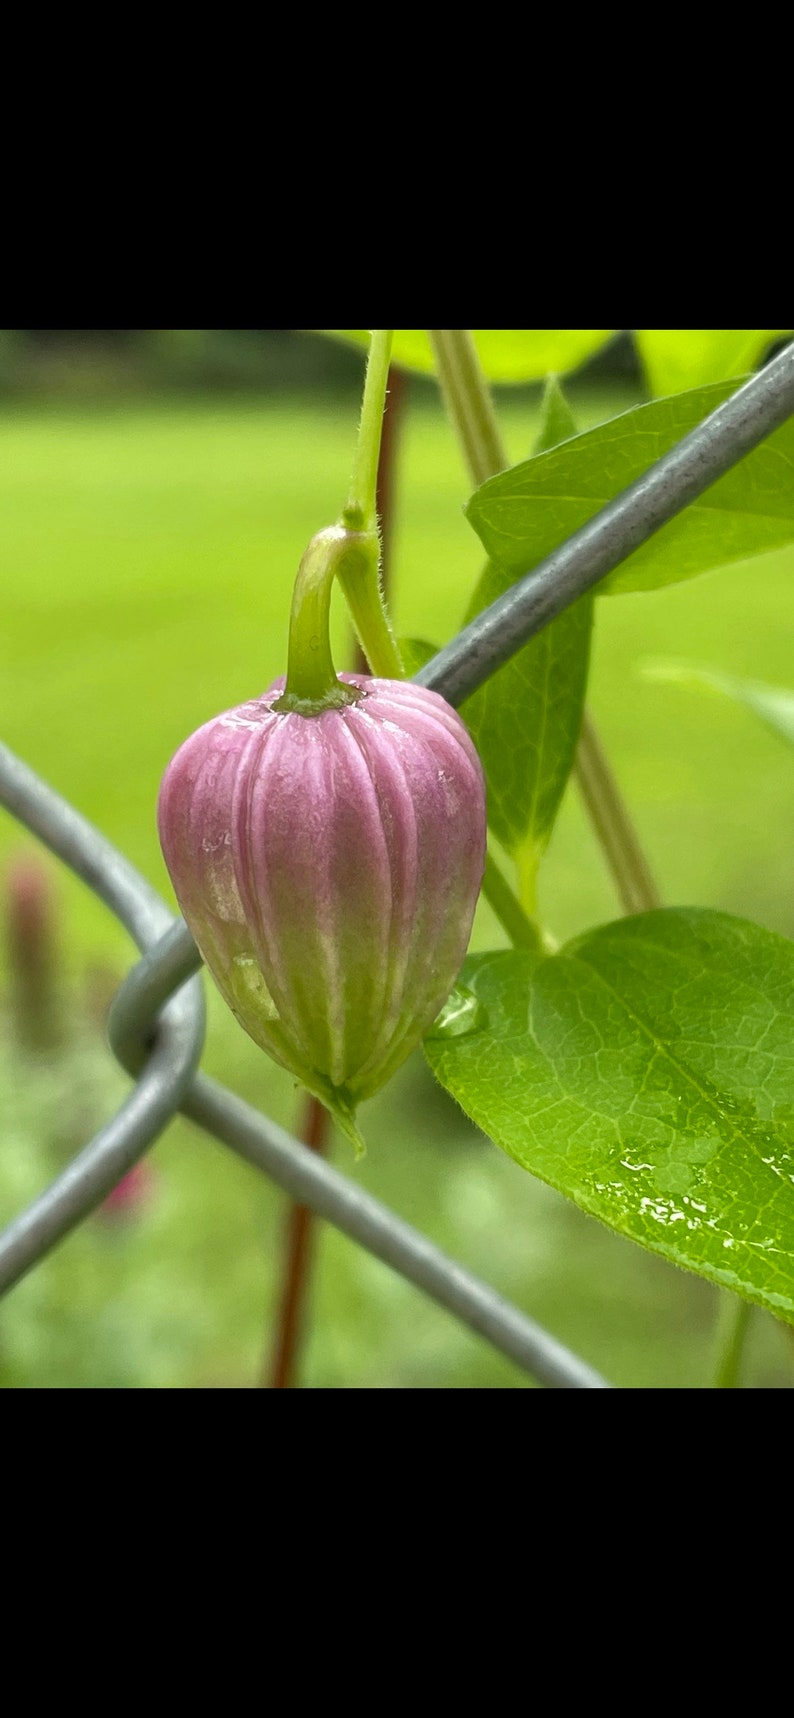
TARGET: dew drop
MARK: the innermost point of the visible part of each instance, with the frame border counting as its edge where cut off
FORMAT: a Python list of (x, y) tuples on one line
[(461, 1015)]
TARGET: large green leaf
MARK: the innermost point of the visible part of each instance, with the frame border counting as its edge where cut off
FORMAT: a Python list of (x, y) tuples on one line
[(525, 512), (647, 1071), (525, 720), (506, 354), (774, 704), (677, 358)]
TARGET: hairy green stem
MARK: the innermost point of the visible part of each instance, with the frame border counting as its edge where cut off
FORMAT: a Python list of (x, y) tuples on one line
[(360, 513), (359, 578), (359, 572), (733, 1322), (384, 494)]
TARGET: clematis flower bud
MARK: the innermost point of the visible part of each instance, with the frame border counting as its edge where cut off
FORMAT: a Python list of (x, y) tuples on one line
[(328, 866)]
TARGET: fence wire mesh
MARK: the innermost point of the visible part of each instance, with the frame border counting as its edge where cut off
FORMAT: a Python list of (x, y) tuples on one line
[(157, 1021)]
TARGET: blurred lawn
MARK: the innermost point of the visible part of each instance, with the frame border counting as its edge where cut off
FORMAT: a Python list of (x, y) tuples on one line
[(148, 558)]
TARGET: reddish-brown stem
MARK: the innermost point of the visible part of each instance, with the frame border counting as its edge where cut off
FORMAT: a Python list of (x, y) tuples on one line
[(29, 911), (283, 1364)]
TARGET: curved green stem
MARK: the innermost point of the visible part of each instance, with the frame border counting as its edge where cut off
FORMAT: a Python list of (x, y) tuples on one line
[(312, 685), (349, 551)]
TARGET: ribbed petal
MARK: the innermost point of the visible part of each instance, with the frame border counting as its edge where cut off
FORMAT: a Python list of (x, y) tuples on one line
[(195, 825), (442, 785), (329, 868)]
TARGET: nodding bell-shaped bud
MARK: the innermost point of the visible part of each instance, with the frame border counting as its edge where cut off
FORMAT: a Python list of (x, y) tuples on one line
[(328, 866)]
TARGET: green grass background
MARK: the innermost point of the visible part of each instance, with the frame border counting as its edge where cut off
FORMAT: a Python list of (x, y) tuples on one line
[(147, 556)]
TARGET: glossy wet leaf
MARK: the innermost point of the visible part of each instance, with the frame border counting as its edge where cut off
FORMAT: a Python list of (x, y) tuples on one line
[(525, 720), (675, 358), (506, 354), (647, 1072), (525, 512), (773, 704)]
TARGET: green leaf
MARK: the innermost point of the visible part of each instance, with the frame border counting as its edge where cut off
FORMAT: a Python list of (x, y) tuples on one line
[(557, 422), (415, 652), (506, 354), (525, 513), (676, 358), (525, 723), (647, 1072), (525, 720), (774, 704)]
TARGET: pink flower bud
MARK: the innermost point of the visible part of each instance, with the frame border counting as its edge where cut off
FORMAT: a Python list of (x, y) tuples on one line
[(130, 1196), (328, 867)]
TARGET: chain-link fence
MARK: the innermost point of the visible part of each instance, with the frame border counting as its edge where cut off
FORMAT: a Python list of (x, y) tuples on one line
[(157, 1021)]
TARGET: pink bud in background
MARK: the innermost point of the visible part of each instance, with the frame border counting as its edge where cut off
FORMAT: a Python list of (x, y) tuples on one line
[(34, 958), (132, 1194), (328, 867)]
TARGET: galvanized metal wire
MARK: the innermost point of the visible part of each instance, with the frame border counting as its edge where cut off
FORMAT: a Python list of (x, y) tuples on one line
[(157, 1021)]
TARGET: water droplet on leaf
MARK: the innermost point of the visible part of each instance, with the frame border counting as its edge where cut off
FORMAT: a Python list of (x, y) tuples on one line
[(462, 1014)]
